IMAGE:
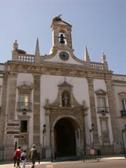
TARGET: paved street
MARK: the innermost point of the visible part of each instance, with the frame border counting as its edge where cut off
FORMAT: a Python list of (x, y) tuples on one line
[(104, 163)]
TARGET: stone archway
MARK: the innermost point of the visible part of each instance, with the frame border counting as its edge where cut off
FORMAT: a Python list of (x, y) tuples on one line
[(65, 140), (65, 124)]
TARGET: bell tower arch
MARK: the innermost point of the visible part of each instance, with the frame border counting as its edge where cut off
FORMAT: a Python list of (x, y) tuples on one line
[(61, 34)]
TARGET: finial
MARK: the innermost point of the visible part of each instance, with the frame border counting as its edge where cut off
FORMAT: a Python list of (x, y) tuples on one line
[(15, 45), (86, 55), (103, 58), (37, 51), (104, 61)]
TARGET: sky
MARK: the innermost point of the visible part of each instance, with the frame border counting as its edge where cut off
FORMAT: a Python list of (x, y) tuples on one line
[(98, 24)]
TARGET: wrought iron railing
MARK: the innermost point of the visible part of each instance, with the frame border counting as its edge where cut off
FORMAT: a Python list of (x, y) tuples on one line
[(103, 110)]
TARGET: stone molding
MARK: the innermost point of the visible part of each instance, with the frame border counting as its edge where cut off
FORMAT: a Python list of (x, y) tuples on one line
[(100, 92), (93, 110), (25, 88), (57, 69)]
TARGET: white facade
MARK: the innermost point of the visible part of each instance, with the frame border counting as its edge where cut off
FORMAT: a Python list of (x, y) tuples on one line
[(66, 106)]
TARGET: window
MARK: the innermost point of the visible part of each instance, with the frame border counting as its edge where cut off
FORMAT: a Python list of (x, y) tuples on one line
[(65, 99), (23, 126), (24, 102), (24, 99), (101, 101), (123, 102), (123, 107), (101, 97), (122, 99)]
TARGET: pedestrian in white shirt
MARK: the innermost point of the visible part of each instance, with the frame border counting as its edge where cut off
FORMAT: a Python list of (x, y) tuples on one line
[(23, 158)]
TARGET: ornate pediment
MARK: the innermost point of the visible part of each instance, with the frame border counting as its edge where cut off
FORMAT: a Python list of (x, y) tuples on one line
[(25, 88), (100, 92), (122, 94), (65, 98), (65, 85)]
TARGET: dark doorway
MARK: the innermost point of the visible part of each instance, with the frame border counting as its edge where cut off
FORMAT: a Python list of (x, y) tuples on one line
[(65, 138), (23, 127)]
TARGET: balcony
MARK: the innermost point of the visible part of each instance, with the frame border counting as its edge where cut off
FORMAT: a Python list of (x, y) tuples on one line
[(123, 113), (103, 110), (24, 106)]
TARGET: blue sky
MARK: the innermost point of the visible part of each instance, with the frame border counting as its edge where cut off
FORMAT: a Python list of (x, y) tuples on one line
[(98, 24)]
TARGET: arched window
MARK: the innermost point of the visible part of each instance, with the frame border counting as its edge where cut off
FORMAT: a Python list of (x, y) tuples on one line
[(66, 99)]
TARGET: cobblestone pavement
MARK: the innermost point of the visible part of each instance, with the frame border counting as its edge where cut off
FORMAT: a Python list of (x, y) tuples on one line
[(103, 163)]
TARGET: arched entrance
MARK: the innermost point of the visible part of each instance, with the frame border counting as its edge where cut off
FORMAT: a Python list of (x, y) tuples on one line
[(64, 137)]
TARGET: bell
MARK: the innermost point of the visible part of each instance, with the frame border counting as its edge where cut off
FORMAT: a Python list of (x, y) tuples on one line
[(62, 41)]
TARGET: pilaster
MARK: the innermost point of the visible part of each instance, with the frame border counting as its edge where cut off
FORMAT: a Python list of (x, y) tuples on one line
[(36, 110), (3, 116), (48, 135), (93, 127), (11, 96), (112, 109), (8, 113)]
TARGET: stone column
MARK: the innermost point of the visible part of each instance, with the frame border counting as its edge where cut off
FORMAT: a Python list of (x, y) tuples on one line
[(36, 110), (92, 110)]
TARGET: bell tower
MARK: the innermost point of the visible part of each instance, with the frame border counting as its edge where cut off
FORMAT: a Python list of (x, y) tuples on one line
[(61, 34)]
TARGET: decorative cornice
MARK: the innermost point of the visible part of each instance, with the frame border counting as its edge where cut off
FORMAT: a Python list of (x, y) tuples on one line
[(122, 93), (65, 84), (57, 69), (119, 81), (100, 92), (25, 87)]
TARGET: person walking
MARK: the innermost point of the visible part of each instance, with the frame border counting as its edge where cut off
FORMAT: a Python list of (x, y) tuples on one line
[(98, 154), (14, 158), (38, 156), (33, 155), (17, 157), (23, 158)]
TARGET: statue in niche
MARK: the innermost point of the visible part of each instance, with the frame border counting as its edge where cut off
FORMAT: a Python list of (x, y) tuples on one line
[(65, 99)]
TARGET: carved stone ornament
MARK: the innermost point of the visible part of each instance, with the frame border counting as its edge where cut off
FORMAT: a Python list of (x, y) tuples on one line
[(25, 88), (100, 92), (65, 101)]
